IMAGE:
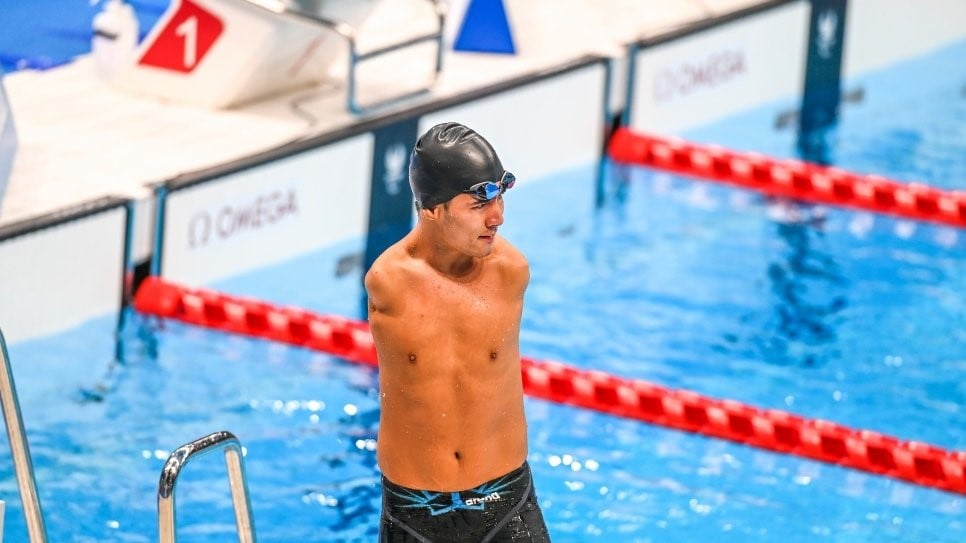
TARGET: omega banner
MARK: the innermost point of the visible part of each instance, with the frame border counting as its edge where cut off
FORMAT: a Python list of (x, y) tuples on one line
[(739, 64), (267, 213)]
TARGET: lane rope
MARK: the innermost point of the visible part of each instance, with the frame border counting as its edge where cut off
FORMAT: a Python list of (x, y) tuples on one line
[(769, 429), (790, 178)]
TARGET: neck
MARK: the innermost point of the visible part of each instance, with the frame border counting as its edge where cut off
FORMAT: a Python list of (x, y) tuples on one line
[(430, 247)]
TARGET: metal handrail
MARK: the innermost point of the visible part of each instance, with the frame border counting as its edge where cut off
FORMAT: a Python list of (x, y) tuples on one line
[(348, 32), (236, 479), (20, 450)]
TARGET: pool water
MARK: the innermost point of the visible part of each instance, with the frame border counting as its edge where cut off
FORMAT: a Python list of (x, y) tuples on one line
[(827, 313), (42, 34)]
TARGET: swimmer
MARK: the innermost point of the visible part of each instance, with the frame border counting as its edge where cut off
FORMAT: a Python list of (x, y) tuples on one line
[(445, 304)]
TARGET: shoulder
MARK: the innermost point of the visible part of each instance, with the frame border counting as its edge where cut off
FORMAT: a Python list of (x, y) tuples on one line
[(384, 273), (513, 263), (512, 258), (379, 269)]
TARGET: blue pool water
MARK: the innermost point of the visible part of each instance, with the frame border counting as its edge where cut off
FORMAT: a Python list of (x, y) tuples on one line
[(42, 34), (826, 313)]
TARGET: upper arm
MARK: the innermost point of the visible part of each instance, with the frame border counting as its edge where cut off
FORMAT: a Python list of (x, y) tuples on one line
[(523, 273), (376, 288), (517, 268)]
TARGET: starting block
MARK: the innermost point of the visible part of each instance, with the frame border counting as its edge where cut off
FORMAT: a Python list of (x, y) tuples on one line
[(223, 53)]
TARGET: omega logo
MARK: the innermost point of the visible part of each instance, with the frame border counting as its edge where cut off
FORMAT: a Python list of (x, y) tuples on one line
[(686, 78), (231, 219)]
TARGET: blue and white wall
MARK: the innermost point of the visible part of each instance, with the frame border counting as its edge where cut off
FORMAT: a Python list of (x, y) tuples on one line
[(703, 75)]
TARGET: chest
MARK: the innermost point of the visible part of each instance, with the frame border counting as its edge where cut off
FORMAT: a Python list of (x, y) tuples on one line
[(480, 310)]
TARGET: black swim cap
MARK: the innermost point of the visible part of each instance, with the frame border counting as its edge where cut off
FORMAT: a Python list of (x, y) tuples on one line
[(448, 159)]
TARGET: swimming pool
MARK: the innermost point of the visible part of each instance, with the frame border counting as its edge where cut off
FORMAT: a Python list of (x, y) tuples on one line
[(833, 314)]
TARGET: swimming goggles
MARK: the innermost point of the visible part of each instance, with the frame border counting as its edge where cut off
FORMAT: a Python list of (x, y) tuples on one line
[(488, 190)]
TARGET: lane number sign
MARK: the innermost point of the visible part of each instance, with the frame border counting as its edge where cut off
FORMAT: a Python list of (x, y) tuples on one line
[(185, 40)]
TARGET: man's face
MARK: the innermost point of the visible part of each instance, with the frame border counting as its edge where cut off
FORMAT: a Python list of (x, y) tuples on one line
[(469, 225)]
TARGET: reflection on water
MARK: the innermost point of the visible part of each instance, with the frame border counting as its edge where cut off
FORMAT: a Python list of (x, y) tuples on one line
[(135, 342), (766, 268), (808, 291), (350, 505), (818, 146)]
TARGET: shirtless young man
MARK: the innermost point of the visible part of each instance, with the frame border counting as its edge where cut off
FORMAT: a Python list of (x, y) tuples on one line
[(445, 304)]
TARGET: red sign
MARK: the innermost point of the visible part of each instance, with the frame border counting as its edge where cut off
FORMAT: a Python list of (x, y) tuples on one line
[(185, 39)]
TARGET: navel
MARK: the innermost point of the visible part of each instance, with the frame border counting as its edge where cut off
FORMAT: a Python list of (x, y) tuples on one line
[(493, 355), (412, 358), (456, 454)]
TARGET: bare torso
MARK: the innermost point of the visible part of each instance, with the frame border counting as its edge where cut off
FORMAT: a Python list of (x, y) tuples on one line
[(449, 368)]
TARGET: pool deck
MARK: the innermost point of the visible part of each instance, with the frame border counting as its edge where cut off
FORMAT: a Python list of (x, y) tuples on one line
[(80, 139)]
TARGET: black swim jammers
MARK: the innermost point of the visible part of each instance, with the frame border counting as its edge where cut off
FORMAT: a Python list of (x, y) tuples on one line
[(502, 510)]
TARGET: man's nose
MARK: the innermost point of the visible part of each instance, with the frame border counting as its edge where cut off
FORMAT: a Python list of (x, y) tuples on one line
[(494, 217)]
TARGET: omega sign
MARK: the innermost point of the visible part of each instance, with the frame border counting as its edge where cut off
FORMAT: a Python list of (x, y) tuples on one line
[(233, 219), (687, 77)]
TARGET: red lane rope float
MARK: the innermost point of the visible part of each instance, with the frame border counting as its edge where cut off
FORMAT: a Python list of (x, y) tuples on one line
[(773, 430), (790, 178), (339, 336)]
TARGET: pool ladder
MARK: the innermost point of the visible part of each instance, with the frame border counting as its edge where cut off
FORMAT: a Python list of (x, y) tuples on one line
[(20, 451), (236, 480), (23, 467)]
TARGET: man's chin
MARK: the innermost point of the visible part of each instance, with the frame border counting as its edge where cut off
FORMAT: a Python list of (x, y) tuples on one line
[(484, 250)]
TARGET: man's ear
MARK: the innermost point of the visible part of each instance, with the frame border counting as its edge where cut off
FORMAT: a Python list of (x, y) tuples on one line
[(431, 213)]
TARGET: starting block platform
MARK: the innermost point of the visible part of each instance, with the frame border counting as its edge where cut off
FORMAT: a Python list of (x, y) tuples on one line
[(226, 53)]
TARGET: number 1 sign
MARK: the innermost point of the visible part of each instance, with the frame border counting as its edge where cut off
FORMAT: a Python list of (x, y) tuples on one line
[(184, 40)]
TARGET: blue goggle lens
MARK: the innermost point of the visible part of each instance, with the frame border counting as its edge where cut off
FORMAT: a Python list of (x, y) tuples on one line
[(488, 190)]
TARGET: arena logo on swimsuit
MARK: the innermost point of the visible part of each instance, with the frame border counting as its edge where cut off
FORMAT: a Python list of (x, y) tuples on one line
[(489, 498), (688, 77), (231, 220)]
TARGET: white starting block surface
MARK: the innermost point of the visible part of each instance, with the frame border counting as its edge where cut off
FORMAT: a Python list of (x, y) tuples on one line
[(222, 53), (82, 137)]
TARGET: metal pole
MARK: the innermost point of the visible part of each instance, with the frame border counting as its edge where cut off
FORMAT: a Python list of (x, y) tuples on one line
[(348, 33), (20, 450), (239, 495)]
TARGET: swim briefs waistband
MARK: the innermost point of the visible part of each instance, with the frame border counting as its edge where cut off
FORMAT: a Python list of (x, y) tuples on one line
[(504, 509)]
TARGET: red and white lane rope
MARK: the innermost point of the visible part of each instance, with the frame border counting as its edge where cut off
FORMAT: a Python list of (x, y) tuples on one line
[(790, 178), (773, 430)]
